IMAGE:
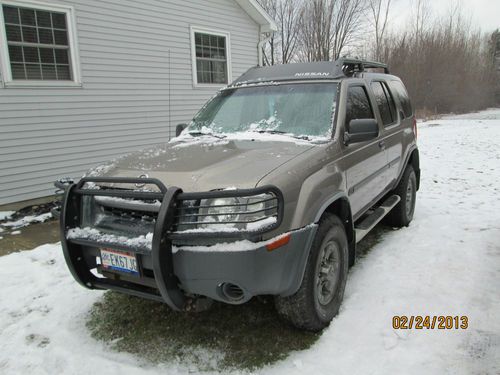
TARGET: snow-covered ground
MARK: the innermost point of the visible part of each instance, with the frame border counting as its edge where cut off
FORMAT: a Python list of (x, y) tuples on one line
[(446, 263)]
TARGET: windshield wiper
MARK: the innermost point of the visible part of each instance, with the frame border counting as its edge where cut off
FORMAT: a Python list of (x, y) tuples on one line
[(269, 131), (199, 134), (304, 137)]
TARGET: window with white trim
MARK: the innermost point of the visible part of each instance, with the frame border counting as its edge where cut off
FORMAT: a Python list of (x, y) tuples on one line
[(211, 56), (38, 43)]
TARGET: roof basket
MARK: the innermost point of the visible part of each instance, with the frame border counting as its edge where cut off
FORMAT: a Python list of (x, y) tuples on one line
[(352, 66)]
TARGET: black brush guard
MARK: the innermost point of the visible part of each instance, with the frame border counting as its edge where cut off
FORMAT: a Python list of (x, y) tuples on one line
[(166, 288)]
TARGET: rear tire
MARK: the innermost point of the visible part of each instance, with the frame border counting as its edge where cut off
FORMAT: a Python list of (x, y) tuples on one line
[(319, 297), (402, 214)]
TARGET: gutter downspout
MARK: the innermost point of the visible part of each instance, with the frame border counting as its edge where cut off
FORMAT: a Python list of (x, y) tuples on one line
[(260, 45)]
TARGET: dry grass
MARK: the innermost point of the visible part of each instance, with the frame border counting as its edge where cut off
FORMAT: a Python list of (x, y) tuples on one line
[(226, 337)]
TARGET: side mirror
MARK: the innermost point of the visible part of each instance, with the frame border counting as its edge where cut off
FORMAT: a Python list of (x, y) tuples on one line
[(179, 128), (361, 130)]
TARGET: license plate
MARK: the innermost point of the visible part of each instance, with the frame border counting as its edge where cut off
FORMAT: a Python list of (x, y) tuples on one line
[(119, 261)]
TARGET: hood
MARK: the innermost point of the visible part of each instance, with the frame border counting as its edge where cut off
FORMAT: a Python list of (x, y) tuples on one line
[(202, 164)]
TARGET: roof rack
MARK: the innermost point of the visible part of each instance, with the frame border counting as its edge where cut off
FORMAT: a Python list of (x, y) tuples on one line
[(321, 70), (351, 66)]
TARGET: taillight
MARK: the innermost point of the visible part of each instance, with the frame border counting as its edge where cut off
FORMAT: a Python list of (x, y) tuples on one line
[(415, 127)]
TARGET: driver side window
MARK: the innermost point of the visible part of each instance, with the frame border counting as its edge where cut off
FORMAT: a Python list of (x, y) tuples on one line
[(358, 105)]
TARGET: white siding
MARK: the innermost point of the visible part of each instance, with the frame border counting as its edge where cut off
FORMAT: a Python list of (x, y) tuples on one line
[(123, 104)]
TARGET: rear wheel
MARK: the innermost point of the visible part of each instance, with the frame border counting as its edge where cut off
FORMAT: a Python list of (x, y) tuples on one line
[(402, 214), (319, 297)]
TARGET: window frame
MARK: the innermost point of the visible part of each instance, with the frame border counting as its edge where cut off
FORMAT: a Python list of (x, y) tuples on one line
[(194, 65), (395, 93), (386, 90), (368, 96), (74, 60)]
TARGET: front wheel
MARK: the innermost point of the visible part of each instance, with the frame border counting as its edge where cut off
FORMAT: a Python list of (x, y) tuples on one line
[(319, 297)]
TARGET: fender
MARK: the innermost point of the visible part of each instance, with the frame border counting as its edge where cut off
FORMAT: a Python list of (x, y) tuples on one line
[(407, 160), (346, 217), (328, 203)]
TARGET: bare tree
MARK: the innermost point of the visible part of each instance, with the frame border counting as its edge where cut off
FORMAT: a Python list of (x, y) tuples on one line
[(288, 14), (269, 49), (379, 11), (420, 15), (282, 46), (445, 63), (446, 67), (328, 26), (346, 21), (316, 29)]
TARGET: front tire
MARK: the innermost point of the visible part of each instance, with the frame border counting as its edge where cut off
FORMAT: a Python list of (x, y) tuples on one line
[(319, 297)]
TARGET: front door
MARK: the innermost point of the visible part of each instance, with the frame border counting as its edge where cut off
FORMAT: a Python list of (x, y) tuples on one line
[(365, 161)]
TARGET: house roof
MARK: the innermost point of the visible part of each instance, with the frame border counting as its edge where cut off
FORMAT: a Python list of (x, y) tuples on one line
[(258, 14)]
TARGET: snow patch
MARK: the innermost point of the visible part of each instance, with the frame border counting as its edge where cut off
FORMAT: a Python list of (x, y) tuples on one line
[(251, 227), (143, 241), (202, 140), (267, 222), (27, 220), (251, 84), (185, 140), (6, 215), (243, 245), (130, 202)]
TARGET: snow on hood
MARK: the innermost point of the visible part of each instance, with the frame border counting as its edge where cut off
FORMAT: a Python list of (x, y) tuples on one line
[(205, 162)]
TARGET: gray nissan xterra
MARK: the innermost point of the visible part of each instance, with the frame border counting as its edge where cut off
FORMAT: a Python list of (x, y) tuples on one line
[(266, 192)]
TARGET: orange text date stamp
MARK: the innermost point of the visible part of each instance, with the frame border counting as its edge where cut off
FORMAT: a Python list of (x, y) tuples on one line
[(430, 322)]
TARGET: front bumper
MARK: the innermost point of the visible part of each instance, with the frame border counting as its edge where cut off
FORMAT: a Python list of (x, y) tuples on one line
[(255, 271), (169, 273)]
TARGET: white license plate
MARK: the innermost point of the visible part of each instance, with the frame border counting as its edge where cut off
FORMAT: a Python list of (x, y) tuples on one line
[(119, 261)]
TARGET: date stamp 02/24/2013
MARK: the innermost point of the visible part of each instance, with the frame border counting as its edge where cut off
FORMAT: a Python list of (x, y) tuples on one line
[(430, 322)]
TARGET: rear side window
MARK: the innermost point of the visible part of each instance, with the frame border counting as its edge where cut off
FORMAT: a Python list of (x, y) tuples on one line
[(358, 105), (385, 103), (398, 88), (390, 98)]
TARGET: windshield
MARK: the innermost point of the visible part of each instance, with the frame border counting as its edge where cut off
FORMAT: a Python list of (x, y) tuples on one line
[(302, 110)]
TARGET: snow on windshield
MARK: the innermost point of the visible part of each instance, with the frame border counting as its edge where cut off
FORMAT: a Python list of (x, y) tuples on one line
[(301, 110)]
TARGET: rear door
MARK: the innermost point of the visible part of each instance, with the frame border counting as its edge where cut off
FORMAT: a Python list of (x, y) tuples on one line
[(399, 134), (391, 129), (365, 161)]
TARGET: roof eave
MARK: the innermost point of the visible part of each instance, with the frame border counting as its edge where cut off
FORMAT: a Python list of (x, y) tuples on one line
[(259, 15)]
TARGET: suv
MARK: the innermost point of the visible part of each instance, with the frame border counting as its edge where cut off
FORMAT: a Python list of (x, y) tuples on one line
[(266, 192)]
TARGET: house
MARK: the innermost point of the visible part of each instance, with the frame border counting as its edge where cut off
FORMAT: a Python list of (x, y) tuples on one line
[(83, 81)]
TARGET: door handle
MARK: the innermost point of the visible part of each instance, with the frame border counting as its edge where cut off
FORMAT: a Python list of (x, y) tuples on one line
[(381, 144)]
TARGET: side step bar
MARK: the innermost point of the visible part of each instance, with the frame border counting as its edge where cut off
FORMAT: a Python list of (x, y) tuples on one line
[(374, 218)]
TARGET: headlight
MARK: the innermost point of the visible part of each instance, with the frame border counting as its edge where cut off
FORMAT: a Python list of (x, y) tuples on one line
[(230, 214), (222, 209)]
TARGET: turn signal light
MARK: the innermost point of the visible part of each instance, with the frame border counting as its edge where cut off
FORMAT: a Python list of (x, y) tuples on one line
[(282, 241)]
